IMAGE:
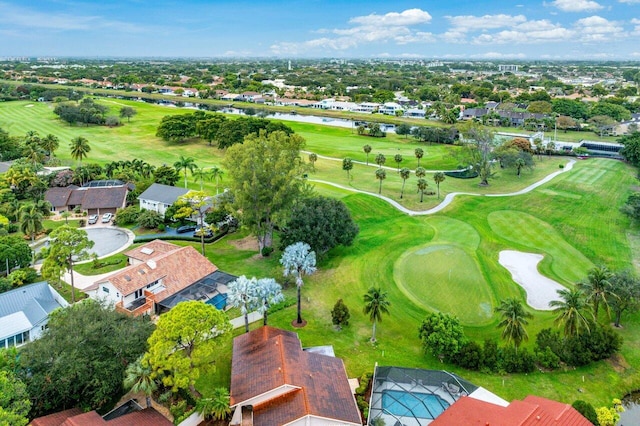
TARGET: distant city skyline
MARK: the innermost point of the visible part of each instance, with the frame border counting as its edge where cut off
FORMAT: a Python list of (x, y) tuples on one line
[(461, 30)]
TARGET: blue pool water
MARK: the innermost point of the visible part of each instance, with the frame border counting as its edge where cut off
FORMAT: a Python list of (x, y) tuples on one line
[(219, 301), (421, 405)]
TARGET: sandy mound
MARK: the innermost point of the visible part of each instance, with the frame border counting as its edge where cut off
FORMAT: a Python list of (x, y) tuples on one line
[(247, 243), (524, 270)]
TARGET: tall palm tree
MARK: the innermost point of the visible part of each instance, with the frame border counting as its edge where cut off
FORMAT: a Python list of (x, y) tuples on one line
[(438, 178), (380, 160), (216, 173), (31, 220), (573, 312), (420, 172), (398, 159), (422, 186), (519, 165), (514, 318), (200, 174), (138, 378), (597, 288), (217, 406), (313, 157), (367, 150), (347, 164), (50, 143), (404, 174), (79, 148), (381, 175), (376, 303), (184, 164), (298, 260), (419, 154)]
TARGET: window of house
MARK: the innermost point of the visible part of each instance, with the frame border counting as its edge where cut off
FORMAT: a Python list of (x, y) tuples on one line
[(105, 289)]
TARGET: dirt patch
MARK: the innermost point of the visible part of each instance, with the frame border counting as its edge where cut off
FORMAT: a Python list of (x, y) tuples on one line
[(247, 243), (618, 363)]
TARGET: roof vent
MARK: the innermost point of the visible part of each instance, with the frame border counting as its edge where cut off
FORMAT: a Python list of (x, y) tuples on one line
[(146, 250), (152, 264), (141, 271), (127, 277)]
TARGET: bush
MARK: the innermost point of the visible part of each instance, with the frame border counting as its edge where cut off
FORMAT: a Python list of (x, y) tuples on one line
[(547, 359), (266, 251), (128, 215), (112, 121), (470, 356), (23, 276), (491, 352), (82, 223), (12, 228), (561, 166), (149, 219), (162, 227), (340, 314), (521, 361), (586, 410)]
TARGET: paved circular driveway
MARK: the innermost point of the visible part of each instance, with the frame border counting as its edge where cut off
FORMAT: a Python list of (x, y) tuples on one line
[(107, 240)]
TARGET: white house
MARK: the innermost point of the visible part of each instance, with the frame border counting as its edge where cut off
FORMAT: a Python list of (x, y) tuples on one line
[(24, 312), (324, 104), (160, 197), (390, 108)]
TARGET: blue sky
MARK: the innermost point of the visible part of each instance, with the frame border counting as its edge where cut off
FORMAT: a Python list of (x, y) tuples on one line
[(446, 29)]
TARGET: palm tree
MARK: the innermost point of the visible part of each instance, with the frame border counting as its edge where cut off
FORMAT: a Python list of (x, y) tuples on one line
[(347, 164), (438, 178), (572, 311), (242, 295), (398, 159), (376, 303), (216, 407), (381, 175), (313, 157), (419, 154), (367, 150), (50, 143), (31, 220), (514, 318), (200, 174), (184, 164), (138, 378), (422, 186), (216, 174), (79, 148), (404, 174), (420, 172), (597, 288), (380, 160), (298, 260)]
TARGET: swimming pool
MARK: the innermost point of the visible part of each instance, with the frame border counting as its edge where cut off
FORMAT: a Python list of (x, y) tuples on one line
[(219, 301), (410, 404)]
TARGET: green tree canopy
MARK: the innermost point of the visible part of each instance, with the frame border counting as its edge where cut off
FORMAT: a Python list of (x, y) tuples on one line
[(81, 357), (264, 175), (442, 335), (321, 222), (14, 400), (185, 340)]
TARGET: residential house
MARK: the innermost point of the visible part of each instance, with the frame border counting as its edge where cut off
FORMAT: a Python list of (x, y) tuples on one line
[(159, 197), (96, 197), (275, 382), (390, 108), (128, 414), (157, 272), (343, 106), (368, 107), (324, 104), (250, 96), (24, 312), (532, 411), (415, 113)]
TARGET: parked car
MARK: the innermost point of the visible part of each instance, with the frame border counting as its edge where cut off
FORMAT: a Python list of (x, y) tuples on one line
[(208, 233), (186, 228), (93, 219), (106, 218)]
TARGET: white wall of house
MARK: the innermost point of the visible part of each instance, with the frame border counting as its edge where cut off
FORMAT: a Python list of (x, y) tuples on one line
[(319, 421), (155, 206), (106, 291)]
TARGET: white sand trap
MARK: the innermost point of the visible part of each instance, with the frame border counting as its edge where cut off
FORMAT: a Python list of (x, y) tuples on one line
[(524, 270), (28, 106)]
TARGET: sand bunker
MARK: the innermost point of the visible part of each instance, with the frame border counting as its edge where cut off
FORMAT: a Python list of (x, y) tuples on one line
[(524, 270)]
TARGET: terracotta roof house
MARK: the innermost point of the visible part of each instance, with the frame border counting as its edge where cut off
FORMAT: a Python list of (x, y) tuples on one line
[(93, 199), (275, 382), (158, 271), (160, 197), (24, 312), (76, 417), (533, 410)]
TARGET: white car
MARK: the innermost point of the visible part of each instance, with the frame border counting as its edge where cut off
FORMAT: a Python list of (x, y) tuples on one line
[(93, 219), (106, 218)]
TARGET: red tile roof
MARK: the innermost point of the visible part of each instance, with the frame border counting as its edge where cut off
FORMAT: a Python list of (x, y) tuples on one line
[(177, 269), (154, 248), (268, 358), (75, 417), (533, 410)]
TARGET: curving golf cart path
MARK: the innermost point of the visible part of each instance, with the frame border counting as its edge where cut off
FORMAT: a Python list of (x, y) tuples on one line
[(449, 197)]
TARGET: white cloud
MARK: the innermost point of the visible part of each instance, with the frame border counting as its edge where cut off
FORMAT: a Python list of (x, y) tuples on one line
[(529, 32), (466, 23), (392, 27), (630, 1), (408, 17), (498, 55), (597, 28), (577, 5), (636, 29)]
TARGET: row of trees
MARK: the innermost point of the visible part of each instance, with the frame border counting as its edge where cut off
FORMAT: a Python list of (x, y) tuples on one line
[(88, 112), (215, 127)]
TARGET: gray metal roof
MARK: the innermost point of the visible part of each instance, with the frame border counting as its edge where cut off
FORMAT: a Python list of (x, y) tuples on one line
[(164, 194), (27, 306)]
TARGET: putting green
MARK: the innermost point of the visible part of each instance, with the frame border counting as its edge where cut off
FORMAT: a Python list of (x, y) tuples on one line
[(566, 262), (445, 278)]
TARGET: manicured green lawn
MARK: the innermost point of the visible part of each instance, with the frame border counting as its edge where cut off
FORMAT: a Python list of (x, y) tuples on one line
[(573, 220)]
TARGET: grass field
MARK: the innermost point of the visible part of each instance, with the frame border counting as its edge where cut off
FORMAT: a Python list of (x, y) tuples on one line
[(574, 220)]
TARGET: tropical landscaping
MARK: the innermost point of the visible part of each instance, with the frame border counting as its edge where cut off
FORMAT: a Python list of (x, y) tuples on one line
[(446, 262)]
